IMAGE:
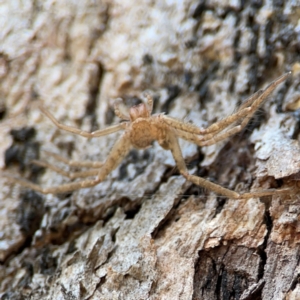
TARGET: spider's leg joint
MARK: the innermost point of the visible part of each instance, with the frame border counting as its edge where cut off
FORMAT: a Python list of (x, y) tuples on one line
[(185, 174)]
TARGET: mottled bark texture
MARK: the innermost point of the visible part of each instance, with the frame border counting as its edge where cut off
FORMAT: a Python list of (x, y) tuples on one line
[(146, 233)]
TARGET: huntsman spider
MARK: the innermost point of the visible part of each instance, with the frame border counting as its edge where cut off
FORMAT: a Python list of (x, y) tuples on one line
[(141, 129)]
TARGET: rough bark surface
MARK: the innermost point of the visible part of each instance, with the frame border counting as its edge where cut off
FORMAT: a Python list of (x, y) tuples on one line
[(146, 233)]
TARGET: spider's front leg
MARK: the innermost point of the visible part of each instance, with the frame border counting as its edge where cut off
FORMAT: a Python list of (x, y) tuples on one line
[(229, 125), (97, 133)]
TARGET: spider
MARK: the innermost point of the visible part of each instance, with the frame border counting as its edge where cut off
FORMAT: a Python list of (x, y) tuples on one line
[(141, 129)]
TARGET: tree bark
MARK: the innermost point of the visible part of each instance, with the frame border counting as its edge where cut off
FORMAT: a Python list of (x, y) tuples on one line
[(145, 232)]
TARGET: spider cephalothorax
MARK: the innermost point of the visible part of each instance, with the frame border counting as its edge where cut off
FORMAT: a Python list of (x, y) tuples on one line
[(144, 128), (141, 129)]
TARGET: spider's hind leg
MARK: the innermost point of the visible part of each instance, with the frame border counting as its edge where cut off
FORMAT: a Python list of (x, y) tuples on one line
[(118, 152), (172, 144), (231, 194), (71, 163), (71, 175), (74, 163)]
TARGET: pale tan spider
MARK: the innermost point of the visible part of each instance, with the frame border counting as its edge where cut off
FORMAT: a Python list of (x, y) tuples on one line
[(141, 129)]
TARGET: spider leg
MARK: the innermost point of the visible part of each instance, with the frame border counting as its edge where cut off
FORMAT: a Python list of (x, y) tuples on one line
[(71, 175), (77, 131), (247, 109), (73, 163), (63, 188), (180, 125), (172, 144), (269, 192), (213, 133), (210, 139), (211, 130), (231, 194), (118, 152)]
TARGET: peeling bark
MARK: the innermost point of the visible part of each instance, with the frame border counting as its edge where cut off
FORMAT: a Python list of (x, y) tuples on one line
[(146, 233)]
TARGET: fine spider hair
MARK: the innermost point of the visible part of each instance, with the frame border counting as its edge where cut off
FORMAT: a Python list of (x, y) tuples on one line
[(141, 129)]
